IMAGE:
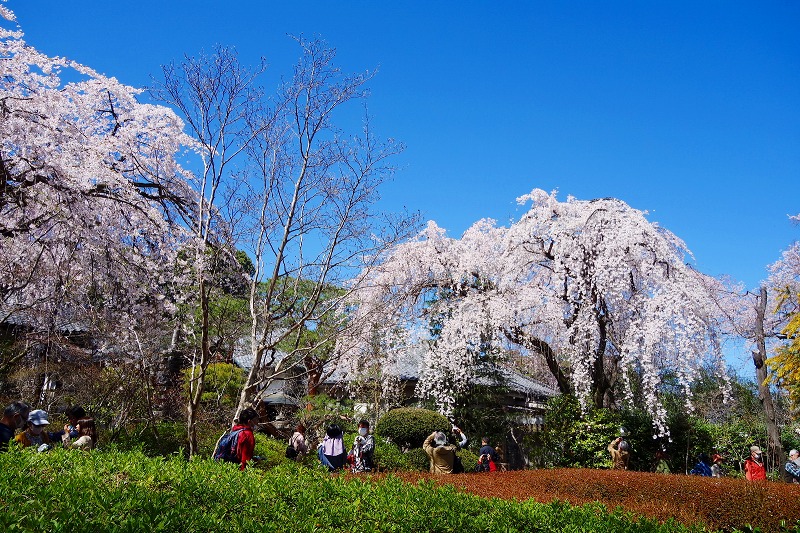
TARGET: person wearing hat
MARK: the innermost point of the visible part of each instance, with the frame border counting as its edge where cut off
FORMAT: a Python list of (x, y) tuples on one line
[(35, 434), (754, 465), (620, 452), (716, 465)]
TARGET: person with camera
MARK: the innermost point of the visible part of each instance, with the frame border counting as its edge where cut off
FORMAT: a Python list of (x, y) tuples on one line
[(442, 455), (363, 452), (620, 452)]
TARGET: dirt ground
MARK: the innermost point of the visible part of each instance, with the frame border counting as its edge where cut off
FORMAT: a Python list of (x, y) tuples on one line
[(720, 503)]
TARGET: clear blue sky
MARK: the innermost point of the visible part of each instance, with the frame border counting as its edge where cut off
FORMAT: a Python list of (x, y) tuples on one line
[(689, 110)]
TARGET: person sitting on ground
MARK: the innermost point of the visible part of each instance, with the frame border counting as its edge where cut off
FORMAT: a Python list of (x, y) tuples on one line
[(74, 413), (35, 434), (702, 468), (298, 442), (791, 471), (754, 465), (363, 452), (15, 416), (87, 435), (331, 450), (487, 457), (441, 454), (620, 452)]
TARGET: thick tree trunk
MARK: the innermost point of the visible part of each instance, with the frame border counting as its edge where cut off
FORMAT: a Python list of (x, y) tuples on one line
[(764, 394), (518, 336)]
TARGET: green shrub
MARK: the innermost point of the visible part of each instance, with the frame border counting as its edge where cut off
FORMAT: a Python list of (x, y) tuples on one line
[(408, 427), (468, 459), (164, 438), (572, 438), (112, 491), (390, 457), (418, 459)]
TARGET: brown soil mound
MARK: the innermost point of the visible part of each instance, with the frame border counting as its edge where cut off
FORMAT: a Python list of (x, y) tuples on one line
[(720, 503)]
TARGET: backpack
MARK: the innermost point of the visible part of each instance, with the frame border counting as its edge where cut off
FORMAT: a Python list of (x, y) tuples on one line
[(458, 466), (291, 453), (226, 447)]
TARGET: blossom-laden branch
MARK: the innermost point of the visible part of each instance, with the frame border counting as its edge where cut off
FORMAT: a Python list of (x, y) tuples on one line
[(592, 287)]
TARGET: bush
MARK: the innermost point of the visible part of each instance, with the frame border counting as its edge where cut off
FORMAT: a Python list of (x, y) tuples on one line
[(418, 460), (408, 427), (164, 438), (131, 492), (468, 459), (389, 457)]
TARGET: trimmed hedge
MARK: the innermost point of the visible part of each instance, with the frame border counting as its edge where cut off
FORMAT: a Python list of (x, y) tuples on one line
[(65, 491), (408, 427)]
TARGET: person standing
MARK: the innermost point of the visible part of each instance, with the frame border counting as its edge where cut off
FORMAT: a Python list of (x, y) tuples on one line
[(15, 416), (487, 457), (754, 465), (716, 465), (791, 472), (661, 465), (35, 434), (246, 442), (620, 452), (441, 454)]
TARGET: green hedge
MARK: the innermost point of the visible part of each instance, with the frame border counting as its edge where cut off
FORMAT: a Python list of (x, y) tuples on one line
[(67, 491), (408, 427)]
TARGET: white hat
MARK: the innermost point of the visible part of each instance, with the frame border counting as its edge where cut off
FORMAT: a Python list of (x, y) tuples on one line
[(37, 417)]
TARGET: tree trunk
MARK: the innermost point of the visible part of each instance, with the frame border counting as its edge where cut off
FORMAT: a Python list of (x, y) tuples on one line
[(198, 381), (518, 336), (764, 394)]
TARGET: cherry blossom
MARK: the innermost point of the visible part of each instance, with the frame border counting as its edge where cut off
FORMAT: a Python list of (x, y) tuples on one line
[(592, 287), (92, 199)]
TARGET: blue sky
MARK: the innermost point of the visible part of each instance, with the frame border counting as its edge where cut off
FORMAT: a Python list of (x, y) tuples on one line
[(689, 110)]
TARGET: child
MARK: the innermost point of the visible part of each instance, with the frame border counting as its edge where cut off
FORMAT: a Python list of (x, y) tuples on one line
[(87, 435), (35, 434)]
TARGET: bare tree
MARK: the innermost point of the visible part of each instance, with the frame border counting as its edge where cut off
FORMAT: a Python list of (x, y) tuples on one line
[(312, 225), (282, 182), (745, 316), (221, 104)]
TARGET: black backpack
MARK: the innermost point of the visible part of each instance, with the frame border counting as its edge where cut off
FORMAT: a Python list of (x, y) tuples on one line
[(458, 466), (226, 447)]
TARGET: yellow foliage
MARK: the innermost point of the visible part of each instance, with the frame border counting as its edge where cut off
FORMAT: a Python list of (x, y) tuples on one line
[(785, 365)]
